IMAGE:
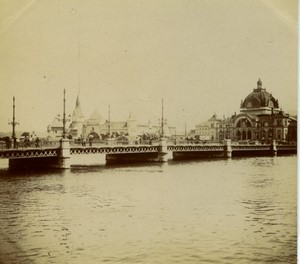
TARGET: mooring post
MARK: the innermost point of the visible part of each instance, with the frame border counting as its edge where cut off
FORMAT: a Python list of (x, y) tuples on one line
[(64, 154), (273, 148), (227, 148)]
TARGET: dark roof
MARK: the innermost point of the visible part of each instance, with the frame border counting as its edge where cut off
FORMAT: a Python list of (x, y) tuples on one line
[(25, 134), (259, 98)]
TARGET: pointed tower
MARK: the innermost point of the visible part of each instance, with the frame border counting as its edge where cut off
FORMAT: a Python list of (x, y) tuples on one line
[(77, 120), (77, 113)]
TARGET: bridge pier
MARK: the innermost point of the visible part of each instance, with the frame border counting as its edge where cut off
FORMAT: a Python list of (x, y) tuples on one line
[(273, 148), (162, 150), (64, 155), (227, 148)]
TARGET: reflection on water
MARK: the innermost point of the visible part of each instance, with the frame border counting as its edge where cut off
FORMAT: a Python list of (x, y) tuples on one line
[(209, 211)]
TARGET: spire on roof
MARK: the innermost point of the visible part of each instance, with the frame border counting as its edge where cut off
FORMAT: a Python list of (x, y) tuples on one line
[(259, 84), (77, 101)]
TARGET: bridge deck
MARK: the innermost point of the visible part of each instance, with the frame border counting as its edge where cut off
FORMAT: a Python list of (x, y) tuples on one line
[(53, 151)]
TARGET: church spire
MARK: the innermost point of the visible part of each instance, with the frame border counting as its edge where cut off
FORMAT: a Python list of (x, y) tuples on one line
[(77, 101)]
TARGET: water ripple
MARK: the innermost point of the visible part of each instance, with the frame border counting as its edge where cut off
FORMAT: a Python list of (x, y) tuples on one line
[(233, 211)]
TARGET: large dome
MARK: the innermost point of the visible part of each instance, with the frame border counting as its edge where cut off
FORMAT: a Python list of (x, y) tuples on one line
[(259, 98)]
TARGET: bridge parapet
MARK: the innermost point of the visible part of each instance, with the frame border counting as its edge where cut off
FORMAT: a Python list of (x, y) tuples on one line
[(196, 147), (123, 149), (28, 153), (286, 147), (249, 147)]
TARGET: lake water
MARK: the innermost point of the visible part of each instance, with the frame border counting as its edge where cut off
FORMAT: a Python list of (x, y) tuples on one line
[(209, 211)]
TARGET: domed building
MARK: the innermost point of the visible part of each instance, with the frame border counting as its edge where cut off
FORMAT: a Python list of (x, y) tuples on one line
[(260, 118)]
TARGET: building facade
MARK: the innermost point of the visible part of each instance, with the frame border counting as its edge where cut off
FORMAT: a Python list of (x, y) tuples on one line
[(77, 126), (208, 130), (260, 119)]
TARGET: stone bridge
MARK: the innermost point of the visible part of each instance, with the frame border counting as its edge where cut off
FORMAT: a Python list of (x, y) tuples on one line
[(63, 156)]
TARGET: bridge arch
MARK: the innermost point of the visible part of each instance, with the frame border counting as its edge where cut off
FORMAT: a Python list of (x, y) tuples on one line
[(243, 121)]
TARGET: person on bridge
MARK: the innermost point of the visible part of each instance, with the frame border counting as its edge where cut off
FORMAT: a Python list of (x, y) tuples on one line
[(17, 142), (7, 142), (26, 142), (37, 142)]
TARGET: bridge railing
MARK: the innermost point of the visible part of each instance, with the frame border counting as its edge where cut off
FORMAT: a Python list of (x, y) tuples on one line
[(43, 143), (194, 142), (99, 143), (22, 145)]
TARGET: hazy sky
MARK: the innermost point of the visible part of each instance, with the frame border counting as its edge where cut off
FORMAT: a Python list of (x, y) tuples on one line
[(201, 56)]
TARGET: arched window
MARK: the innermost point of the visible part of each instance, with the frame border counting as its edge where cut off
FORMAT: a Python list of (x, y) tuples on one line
[(244, 135), (279, 134), (249, 135), (238, 135)]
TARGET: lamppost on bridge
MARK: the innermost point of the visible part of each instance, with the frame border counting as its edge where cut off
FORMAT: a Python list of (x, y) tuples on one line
[(108, 123), (65, 120), (175, 136), (162, 145), (14, 123), (162, 121), (64, 115)]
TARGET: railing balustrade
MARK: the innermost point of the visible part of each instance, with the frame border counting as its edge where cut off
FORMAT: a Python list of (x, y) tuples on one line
[(22, 145), (41, 144)]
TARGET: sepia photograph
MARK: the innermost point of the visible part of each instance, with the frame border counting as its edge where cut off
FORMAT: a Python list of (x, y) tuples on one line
[(137, 131)]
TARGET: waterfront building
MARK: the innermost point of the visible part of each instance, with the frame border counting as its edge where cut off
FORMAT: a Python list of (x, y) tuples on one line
[(93, 126), (292, 129), (98, 128), (101, 129), (55, 129), (260, 119), (130, 128), (225, 128), (209, 129)]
